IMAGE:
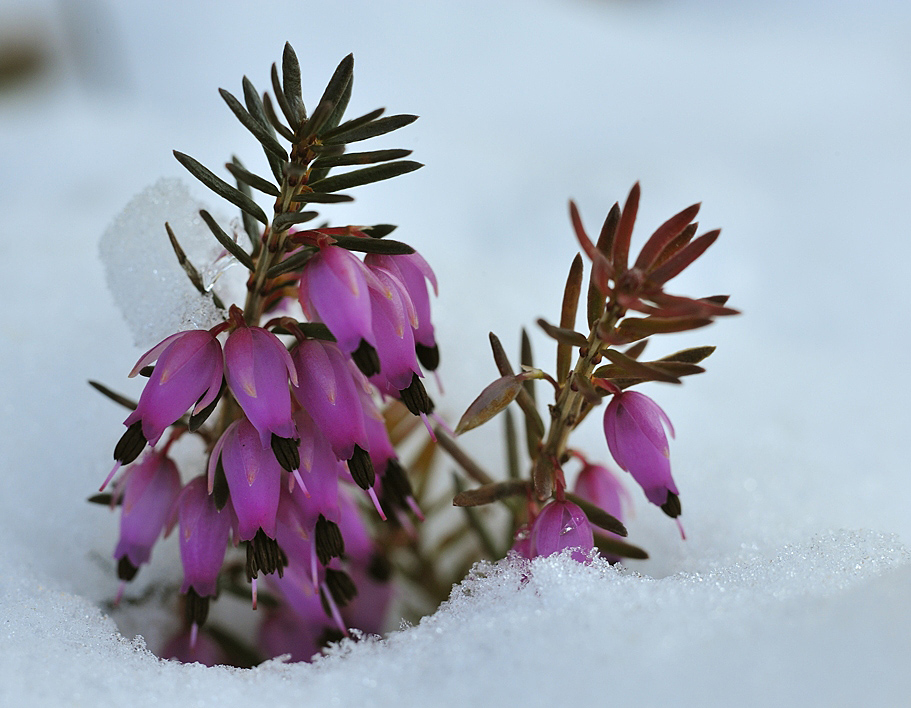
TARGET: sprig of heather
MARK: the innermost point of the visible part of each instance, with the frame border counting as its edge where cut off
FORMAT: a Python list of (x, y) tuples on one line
[(634, 424), (297, 429)]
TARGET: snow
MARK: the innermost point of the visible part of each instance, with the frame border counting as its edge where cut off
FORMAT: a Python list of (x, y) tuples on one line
[(139, 261), (787, 120)]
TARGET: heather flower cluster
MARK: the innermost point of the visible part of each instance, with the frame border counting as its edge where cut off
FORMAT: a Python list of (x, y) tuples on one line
[(287, 393), (551, 517), (303, 394)]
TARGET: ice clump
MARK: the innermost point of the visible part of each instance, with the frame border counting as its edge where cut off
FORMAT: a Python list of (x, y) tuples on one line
[(150, 287)]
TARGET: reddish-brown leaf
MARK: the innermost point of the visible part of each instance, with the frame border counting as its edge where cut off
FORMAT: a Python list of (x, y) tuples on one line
[(664, 235), (683, 258), (601, 267), (678, 306), (620, 250), (568, 315), (675, 245), (635, 328), (638, 369)]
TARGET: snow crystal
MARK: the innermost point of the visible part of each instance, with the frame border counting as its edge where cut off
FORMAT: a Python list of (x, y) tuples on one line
[(549, 632), (151, 288)]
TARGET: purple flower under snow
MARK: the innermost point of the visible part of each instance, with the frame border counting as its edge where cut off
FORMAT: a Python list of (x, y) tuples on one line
[(561, 525)]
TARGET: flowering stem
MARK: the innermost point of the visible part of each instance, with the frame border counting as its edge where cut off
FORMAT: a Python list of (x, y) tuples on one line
[(566, 412)]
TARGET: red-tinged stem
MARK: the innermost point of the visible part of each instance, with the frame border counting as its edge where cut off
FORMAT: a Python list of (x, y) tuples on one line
[(566, 412)]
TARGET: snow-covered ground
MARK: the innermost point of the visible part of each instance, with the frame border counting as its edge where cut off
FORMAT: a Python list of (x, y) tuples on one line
[(789, 121)]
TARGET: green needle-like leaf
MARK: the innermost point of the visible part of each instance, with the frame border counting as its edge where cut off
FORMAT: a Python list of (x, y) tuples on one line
[(367, 175), (332, 96), (353, 124), (379, 230), (114, 396), (321, 198), (568, 315), (259, 131), (567, 337), (610, 546), (489, 493), (598, 516), (255, 181), (293, 262), (283, 221), (344, 134), (229, 244), (274, 120), (359, 158), (384, 246), (291, 90), (220, 187)]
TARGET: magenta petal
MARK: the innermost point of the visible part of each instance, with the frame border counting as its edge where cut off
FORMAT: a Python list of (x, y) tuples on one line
[(321, 470), (394, 336), (412, 271), (336, 288), (328, 392), (152, 355), (601, 487), (150, 490), (258, 369), (187, 371), (254, 480), (633, 428), (204, 532), (562, 525)]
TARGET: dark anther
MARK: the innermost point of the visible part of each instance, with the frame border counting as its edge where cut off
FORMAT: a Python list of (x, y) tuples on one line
[(146, 371), (286, 452), (415, 397), (672, 506), (220, 486), (428, 356), (366, 358), (362, 468), (327, 537), (380, 569), (131, 443), (197, 419), (265, 556), (126, 570), (396, 484), (341, 586), (196, 608)]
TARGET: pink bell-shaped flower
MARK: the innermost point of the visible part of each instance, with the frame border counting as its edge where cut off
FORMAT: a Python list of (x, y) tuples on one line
[(393, 321), (636, 438), (188, 372), (328, 392), (414, 272), (148, 493), (334, 289), (561, 525), (204, 533), (258, 368), (254, 478), (601, 487)]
